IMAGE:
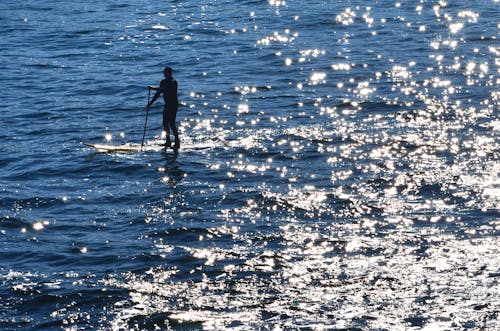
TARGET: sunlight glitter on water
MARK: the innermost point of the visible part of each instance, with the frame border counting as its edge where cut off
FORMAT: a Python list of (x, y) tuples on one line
[(346, 178), (311, 258), (369, 204)]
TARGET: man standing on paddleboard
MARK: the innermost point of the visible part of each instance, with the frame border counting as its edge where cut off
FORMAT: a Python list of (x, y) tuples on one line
[(168, 87)]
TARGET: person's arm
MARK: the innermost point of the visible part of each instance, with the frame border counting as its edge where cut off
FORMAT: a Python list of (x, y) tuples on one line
[(156, 96)]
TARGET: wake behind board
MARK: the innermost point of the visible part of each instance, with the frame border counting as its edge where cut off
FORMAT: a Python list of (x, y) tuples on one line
[(125, 148)]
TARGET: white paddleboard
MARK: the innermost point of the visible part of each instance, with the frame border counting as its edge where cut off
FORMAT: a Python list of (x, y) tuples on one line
[(125, 148)]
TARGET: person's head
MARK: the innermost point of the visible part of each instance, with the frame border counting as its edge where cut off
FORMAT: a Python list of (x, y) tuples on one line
[(167, 72)]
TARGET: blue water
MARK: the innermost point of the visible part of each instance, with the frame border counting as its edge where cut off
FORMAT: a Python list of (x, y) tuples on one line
[(339, 166)]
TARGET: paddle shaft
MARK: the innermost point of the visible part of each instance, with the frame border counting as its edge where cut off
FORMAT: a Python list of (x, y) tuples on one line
[(146, 121)]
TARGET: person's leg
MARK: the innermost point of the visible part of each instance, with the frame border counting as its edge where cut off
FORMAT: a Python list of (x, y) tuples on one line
[(168, 143), (177, 142), (173, 126)]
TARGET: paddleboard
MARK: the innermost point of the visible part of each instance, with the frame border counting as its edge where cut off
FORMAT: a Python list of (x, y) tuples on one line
[(151, 147), (125, 148)]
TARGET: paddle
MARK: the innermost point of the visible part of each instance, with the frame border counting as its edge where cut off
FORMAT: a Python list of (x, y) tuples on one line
[(146, 122)]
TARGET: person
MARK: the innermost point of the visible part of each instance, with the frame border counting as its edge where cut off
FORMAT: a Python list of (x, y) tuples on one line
[(168, 87)]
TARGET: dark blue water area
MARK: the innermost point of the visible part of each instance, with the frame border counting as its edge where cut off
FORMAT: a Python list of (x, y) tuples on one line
[(338, 168)]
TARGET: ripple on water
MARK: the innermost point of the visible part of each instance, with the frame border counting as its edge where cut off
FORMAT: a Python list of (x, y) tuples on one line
[(315, 272), (337, 171)]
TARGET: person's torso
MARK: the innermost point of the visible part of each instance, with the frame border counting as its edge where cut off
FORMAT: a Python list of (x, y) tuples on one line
[(169, 88)]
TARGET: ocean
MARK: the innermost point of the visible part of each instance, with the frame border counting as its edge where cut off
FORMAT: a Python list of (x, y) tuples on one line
[(338, 170)]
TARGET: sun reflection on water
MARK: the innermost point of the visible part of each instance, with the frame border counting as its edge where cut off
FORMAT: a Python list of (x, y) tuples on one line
[(366, 198)]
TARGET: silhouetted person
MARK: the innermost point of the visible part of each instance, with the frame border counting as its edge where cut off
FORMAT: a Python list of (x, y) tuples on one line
[(168, 87)]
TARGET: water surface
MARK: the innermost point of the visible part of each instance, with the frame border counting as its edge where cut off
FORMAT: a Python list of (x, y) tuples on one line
[(339, 166)]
